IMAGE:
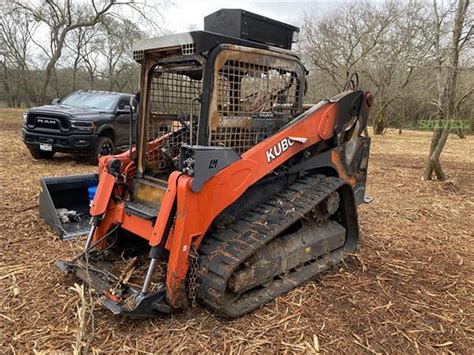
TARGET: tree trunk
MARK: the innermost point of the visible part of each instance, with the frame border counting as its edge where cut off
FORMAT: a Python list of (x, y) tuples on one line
[(50, 68), (74, 76), (432, 165), (57, 92), (40, 99), (380, 124), (111, 82), (6, 86), (380, 121), (91, 80), (447, 83)]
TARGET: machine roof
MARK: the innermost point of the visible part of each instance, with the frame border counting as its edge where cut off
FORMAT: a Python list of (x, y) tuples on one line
[(199, 42)]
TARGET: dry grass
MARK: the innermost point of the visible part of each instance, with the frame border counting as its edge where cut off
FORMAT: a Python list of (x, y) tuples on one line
[(409, 288)]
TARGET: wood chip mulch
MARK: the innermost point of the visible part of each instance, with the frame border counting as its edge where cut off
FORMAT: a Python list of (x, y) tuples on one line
[(409, 288)]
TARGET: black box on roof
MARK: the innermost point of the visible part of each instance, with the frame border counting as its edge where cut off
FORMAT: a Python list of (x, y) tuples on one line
[(247, 25)]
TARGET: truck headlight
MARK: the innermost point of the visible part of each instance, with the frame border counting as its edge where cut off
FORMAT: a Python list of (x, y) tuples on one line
[(83, 125), (25, 117)]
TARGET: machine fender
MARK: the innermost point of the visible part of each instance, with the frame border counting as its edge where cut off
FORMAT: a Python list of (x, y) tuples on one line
[(195, 212), (349, 161)]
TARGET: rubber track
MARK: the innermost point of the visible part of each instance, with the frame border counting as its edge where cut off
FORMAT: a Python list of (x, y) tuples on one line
[(221, 253)]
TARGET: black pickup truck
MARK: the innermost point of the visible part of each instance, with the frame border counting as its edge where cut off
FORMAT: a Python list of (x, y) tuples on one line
[(87, 122)]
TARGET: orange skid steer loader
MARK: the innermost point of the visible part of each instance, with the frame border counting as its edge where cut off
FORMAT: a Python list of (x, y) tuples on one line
[(233, 194)]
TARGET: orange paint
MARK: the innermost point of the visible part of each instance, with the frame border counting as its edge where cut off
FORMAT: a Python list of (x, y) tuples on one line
[(165, 209)]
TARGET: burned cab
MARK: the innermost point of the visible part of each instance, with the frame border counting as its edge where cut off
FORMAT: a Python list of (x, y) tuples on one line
[(207, 89)]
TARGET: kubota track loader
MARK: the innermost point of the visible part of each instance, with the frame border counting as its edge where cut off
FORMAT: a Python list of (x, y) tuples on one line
[(233, 194)]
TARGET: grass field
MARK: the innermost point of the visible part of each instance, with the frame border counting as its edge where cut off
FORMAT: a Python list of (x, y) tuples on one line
[(409, 288)]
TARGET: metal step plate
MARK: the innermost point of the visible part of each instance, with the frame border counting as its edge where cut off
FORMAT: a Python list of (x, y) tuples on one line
[(141, 210)]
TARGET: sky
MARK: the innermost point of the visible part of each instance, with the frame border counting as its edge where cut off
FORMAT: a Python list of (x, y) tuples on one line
[(174, 16), (183, 15)]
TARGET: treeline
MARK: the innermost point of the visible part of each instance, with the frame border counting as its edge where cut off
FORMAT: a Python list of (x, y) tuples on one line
[(50, 48), (15, 93), (415, 56), (403, 52)]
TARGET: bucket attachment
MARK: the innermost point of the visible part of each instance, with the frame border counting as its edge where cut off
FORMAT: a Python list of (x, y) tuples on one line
[(118, 297), (64, 203)]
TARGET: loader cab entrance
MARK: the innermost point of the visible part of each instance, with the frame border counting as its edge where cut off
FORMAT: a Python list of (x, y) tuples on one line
[(173, 107), (217, 91)]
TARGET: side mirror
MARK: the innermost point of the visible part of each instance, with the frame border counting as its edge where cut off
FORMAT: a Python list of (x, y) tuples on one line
[(56, 101), (123, 110)]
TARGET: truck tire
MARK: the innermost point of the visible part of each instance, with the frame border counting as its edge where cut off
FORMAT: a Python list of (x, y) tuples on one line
[(104, 146), (41, 154)]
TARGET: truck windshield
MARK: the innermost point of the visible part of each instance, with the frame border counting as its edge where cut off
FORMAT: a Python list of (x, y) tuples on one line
[(94, 100)]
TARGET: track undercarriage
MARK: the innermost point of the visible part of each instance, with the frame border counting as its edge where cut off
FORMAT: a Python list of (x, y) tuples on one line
[(282, 243)]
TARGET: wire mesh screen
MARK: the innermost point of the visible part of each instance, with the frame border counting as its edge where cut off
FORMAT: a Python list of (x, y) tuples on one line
[(253, 101), (174, 111)]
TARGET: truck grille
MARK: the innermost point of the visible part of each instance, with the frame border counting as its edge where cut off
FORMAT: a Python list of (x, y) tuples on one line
[(48, 121)]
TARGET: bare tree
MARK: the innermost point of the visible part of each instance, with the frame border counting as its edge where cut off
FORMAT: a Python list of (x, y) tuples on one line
[(79, 39), (116, 49), (17, 31), (63, 17), (381, 41), (448, 70), (394, 62)]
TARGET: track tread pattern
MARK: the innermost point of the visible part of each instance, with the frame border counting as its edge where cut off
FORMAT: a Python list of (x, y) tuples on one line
[(223, 251)]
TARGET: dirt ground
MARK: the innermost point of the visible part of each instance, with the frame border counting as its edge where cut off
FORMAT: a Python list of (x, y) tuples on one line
[(408, 289)]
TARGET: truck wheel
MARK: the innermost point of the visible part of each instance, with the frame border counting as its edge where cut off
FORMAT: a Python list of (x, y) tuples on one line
[(105, 146), (41, 154)]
